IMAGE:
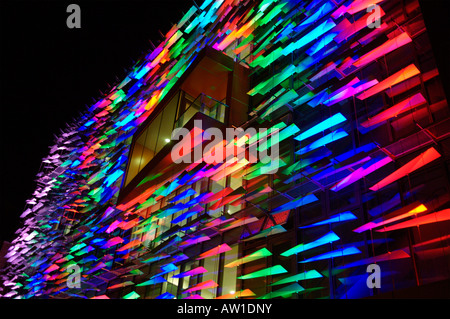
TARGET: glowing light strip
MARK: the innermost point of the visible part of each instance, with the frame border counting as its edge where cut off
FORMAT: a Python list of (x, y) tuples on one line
[(383, 49), (311, 36), (332, 137), (349, 92), (188, 192), (322, 126), (267, 232), (383, 221), (284, 292), (283, 100), (342, 217), (240, 222), (423, 159), (328, 238), (304, 162), (310, 274), (156, 280), (296, 203), (284, 134), (203, 285), (333, 254), (392, 255), (393, 111), (402, 75), (238, 294), (361, 172), (132, 295), (194, 240), (113, 120), (261, 253), (441, 216), (215, 251), (165, 270), (274, 270), (193, 272)]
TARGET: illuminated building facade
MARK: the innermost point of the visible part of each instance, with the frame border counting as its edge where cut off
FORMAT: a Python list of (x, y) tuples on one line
[(363, 133)]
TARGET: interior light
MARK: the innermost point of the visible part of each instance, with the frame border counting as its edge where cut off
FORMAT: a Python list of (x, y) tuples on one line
[(167, 140)]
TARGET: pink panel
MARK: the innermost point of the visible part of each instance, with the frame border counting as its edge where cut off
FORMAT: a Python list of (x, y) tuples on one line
[(193, 272)]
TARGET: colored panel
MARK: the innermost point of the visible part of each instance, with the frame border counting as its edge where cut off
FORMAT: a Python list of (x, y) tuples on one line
[(267, 232), (310, 274), (392, 255), (238, 294), (330, 138), (322, 126), (203, 285), (361, 172), (333, 254), (215, 251), (153, 281), (193, 272), (393, 111), (411, 210), (383, 49), (342, 217), (284, 292), (301, 201)]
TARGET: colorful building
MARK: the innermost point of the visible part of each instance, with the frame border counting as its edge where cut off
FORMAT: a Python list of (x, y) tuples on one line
[(343, 192)]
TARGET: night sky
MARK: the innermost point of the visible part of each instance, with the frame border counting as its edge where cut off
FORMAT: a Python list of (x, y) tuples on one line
[(50, 73)]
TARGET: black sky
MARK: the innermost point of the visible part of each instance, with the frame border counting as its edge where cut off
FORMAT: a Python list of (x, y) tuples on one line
[(49, 73)]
